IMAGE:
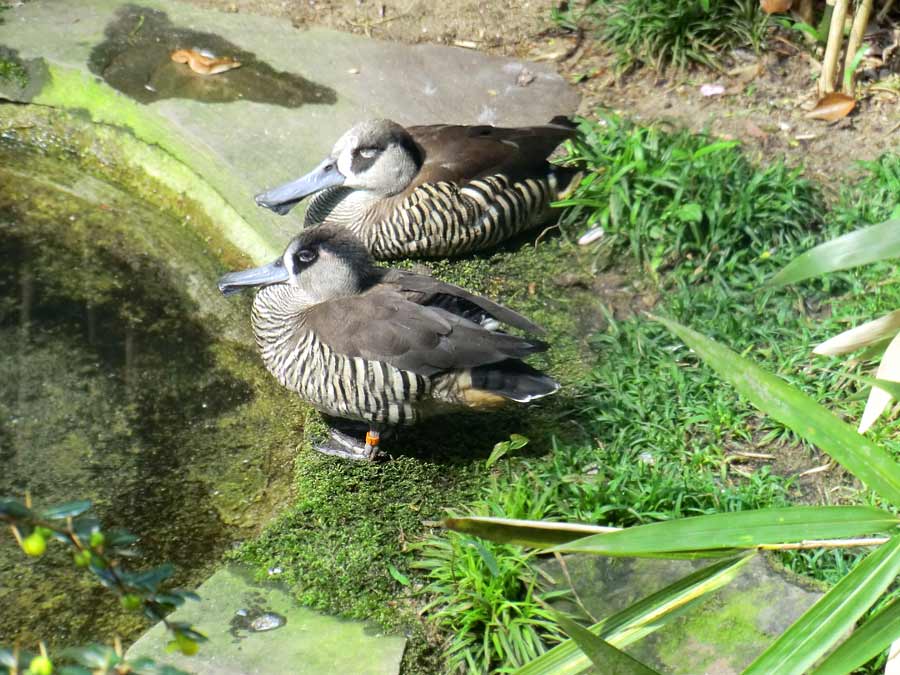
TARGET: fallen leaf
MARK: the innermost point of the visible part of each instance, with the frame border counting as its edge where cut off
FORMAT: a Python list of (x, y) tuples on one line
[(775, 6), (889, 369), (525, 77), (754, 131), (832, 107), (202, 64)]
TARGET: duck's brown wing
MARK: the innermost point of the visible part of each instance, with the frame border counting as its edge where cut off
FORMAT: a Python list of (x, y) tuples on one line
[(431, 292), (382, 325), (458, 154)]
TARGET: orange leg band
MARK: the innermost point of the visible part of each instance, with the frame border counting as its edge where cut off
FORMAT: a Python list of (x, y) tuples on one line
[(372, 438)]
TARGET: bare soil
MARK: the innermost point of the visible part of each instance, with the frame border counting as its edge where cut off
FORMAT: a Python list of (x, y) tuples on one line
[(765, 96)]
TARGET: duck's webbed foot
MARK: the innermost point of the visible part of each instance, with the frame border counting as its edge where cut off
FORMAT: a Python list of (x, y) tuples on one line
[(343, 445)]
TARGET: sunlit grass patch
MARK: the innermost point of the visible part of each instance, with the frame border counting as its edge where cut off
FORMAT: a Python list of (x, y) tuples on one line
[(684, 200), (669, 32)]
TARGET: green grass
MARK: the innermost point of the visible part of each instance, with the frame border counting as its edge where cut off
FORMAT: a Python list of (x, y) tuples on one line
[(678, 199), (666, 33), (486, 597), (663, 430), (641, 431)]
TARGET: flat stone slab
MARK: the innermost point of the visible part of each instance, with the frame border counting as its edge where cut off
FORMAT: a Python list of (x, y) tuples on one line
[(277, 115), (720, 635), (237, 616)]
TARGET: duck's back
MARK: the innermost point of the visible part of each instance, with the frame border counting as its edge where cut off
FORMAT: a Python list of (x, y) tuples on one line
[(477, 186), (396, 352)]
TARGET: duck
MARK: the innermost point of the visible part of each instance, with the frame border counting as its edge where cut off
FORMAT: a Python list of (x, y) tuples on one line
[(432, 191), (381, 346)]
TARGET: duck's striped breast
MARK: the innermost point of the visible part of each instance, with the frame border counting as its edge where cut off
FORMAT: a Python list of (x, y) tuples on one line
[(337, 384), (442, 218)]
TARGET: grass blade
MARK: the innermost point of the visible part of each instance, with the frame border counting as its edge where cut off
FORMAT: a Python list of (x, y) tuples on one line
[(867, 461), (867, 641), (639, 619), (605, 658), (534, 533), (864, 246), (823, 624), (742, 529)]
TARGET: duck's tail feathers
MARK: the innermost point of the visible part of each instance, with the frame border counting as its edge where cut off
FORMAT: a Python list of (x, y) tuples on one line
[(513, 380)]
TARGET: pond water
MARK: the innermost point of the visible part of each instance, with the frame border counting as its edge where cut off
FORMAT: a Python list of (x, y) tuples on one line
[(115, 387)]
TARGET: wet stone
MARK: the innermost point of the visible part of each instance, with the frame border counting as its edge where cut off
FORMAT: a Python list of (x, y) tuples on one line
[(135, 58), (721, 634), (257, 629)]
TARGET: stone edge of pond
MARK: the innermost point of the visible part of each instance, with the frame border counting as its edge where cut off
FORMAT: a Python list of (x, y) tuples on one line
[(153, 146), (236, 614)]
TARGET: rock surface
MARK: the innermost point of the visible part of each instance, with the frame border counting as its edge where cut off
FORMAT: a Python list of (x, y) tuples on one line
[(277, 115), (256, 629), (720, 635)]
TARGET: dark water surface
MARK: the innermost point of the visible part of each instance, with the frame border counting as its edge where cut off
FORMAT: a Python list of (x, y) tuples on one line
[(112, 388)]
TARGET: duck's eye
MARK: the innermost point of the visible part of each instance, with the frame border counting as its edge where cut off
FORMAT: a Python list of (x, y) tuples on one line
[(367, 153), (306, 255)]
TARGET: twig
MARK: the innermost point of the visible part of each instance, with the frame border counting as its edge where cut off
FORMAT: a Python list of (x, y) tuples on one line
[(578, 601), (882, 15), (749, 455), (857, 32), (825, 543), (818, 469), (833, 47)]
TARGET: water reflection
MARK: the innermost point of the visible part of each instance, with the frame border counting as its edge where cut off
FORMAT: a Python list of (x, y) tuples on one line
[(135, 59), (111, 389)]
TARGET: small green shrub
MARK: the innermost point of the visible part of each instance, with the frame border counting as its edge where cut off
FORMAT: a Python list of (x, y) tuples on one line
[(873, 198), (678, 198), (487, 597), (670, 32)]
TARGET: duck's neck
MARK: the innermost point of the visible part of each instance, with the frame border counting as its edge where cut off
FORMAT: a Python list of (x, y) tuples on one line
[(345, 206)]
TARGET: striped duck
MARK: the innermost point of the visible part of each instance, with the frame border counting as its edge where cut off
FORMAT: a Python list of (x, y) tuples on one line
[(432, 191), (382, 346)]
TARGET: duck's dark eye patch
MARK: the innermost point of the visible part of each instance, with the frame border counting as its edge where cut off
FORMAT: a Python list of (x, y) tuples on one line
[(364, 158), (306, 255)]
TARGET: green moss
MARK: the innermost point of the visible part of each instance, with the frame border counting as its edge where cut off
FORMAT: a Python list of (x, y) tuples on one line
[(13, 72), (72, 90), (729, 633)]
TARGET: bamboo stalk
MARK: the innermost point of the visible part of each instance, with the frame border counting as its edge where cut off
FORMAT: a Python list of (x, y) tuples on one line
[(833, 47), (857, 32)]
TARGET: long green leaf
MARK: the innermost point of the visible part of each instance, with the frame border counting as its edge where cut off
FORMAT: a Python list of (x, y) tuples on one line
[(534, 533), (605, 658), (823, 624), (867, 461), (640, 619), (864, 246), (738, 530), (867, 641)]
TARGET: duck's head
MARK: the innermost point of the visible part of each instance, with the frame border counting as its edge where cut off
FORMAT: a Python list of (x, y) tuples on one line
[(323, 263), (378, 156)]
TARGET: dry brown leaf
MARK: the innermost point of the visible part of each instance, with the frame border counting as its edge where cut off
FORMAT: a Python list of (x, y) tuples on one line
[(775, 6), (754, 131), (203, 64), (832, 107)]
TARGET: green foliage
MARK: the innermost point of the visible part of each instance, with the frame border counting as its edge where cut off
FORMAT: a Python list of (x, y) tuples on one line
[(873, 198), (486, 597), (670, 32), (103, 554), (684, 199)]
